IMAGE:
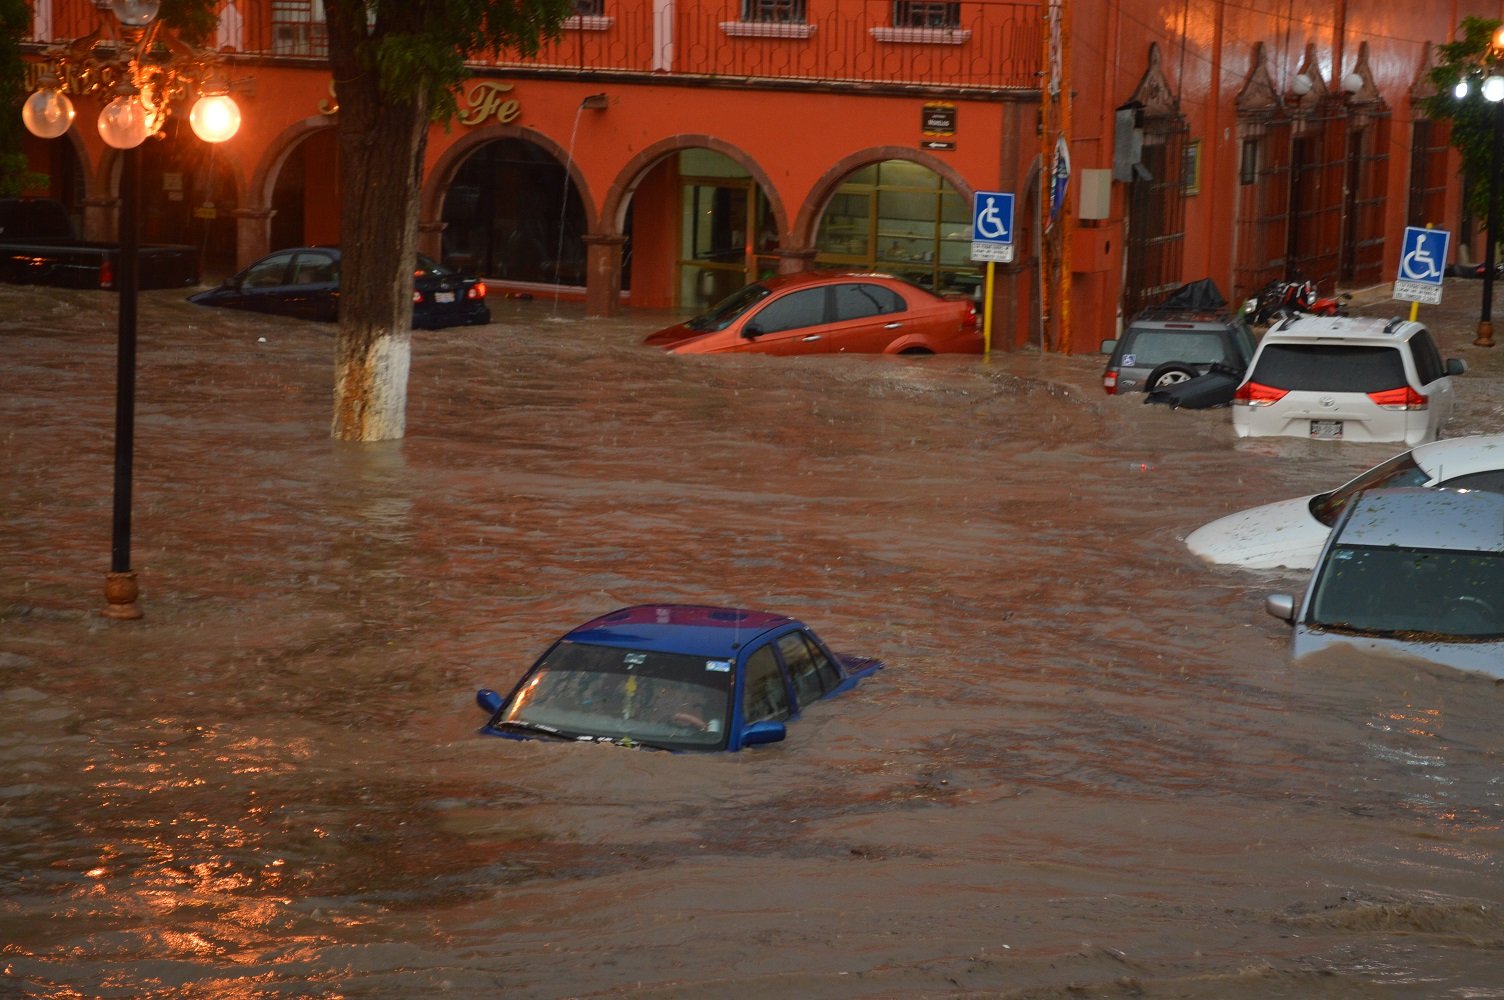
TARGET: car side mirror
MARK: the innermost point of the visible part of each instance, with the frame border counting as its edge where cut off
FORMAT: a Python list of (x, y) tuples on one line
[(488, 700), (1281, 606), (751, 331), (1456, 366), (1108, 346), (763, 732)]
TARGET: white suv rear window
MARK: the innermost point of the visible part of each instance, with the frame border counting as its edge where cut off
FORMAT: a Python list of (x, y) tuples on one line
[(1330, 368)]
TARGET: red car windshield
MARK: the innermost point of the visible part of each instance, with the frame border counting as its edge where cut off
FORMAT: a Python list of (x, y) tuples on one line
[(728, 309)]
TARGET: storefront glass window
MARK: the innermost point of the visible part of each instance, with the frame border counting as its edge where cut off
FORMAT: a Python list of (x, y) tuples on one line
[(903, 218)]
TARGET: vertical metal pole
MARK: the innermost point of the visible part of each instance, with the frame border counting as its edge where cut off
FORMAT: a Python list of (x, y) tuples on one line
[(1490, 254), (121, 590)]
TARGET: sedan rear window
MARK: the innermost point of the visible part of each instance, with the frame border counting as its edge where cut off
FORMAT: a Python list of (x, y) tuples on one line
[(1330, 368)]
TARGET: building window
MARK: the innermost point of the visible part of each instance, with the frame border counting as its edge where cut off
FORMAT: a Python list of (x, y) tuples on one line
[(925, 14), (1190, 170), (298, 28), (777, 11), (589, 8)]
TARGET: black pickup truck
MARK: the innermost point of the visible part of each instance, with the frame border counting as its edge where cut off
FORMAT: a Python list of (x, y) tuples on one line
[(38, 247)]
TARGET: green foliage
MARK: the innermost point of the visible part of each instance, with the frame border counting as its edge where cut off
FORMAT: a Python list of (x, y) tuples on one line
[(1470, 57), (418, 48), (193, 21), (15, 23)]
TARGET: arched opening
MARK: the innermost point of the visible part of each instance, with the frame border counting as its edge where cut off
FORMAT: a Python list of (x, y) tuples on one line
[(189, 196), (513, 213), (305, 203), (903, 218), (699, 225)]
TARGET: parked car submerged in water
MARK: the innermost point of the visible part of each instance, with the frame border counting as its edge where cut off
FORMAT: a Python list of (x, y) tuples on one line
[(674, 677), (829, 312), (304, 282), (1412, 572), (1291, 532), (1345, 378)]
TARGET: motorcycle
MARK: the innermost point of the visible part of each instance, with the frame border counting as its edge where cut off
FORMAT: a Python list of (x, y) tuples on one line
[(1283, 298)]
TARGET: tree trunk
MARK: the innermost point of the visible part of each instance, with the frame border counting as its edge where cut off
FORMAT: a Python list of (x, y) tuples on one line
[(381, 143)]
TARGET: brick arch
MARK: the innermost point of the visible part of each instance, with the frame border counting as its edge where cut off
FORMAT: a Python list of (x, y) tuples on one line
[(613, 212), (442, 174), (832, 179)]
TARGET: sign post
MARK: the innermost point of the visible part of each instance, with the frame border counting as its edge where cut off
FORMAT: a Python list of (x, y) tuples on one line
[(991, 241), (1423, 262)]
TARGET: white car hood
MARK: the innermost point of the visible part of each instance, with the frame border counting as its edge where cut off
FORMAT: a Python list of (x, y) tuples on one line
[(1282, 534)]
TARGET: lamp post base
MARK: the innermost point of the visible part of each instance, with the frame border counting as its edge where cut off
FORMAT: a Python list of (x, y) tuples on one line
[(120, 591), (1485, 334)]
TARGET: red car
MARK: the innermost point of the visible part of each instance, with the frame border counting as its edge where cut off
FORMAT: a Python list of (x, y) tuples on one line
[(830, 312)]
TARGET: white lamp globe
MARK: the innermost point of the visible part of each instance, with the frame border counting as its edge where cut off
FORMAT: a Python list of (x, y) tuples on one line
[(47, 113), (1493, 88), (122, 123), (1460, 91), (215, 117), (135, 13)]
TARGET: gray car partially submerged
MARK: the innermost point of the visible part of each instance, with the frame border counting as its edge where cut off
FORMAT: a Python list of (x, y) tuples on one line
[(1415, 572)]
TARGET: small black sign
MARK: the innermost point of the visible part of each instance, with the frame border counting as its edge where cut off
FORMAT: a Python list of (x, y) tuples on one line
[(939, 119), (937, 144)]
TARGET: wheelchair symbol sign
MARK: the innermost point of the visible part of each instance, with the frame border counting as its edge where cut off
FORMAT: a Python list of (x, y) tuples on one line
[(992, 226), (1424, 255)]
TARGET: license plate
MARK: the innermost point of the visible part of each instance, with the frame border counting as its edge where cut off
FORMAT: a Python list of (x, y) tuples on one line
[(1329, 429), (449, 297)]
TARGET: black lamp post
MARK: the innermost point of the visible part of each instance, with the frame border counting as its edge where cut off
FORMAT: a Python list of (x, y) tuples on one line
[(146, 73), (1490, 254)]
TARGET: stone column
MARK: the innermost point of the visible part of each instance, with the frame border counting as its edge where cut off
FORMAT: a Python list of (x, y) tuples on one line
[(795, 261), (603, 274), (253, 234), (430, 242)]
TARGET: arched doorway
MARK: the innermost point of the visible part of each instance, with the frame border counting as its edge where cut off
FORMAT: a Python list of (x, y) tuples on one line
[(513, 213), (305, 203), (188, 195), (904, 218)]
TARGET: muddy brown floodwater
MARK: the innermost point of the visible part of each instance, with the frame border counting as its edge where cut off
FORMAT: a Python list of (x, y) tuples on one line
[(1089, 768)]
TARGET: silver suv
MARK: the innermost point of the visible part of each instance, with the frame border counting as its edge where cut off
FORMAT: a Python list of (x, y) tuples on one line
[(1170, 343)]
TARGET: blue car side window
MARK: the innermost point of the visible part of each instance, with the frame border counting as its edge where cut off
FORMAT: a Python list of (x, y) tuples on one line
[(810, 669), (765, 695)]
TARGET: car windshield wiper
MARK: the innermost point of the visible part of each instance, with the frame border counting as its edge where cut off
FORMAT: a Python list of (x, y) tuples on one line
[(531, 727)]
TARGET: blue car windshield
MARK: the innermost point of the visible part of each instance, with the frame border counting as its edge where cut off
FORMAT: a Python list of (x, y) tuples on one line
[(1388, 590), (728, 309), (669, 700)]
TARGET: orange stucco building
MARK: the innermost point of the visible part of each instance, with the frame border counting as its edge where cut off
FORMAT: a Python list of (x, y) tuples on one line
[(663, 152)]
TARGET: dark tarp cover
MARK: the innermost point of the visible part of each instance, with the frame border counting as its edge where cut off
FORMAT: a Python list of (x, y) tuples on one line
[(1199, 295)]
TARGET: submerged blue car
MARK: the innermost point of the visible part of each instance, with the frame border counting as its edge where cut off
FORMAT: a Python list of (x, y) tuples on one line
[(674, 677)]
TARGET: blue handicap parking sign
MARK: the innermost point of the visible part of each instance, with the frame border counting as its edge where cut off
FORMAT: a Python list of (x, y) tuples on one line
[(992, 217), (1424, 255), (992, 226)]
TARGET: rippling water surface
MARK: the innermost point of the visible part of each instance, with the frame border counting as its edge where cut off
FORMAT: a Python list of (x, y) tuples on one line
[(1089, 769)]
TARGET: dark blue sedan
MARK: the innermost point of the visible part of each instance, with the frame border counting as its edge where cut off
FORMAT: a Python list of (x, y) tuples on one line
[(674, 677), (304, 282)]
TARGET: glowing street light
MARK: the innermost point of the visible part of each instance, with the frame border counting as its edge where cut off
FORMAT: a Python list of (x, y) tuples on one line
[(142, 72)]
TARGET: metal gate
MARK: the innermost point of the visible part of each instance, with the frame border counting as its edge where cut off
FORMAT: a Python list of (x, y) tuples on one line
[(1155, 238), (1362, 260), (1263, 219)]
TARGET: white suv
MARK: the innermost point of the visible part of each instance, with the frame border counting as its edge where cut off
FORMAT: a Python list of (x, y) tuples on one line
[(1346, 378)]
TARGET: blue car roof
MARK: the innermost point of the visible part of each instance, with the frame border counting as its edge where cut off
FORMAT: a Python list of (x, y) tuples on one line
[(698, 630)]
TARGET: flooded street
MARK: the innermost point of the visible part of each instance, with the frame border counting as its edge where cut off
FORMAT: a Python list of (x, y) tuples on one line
[(1088, 769)]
